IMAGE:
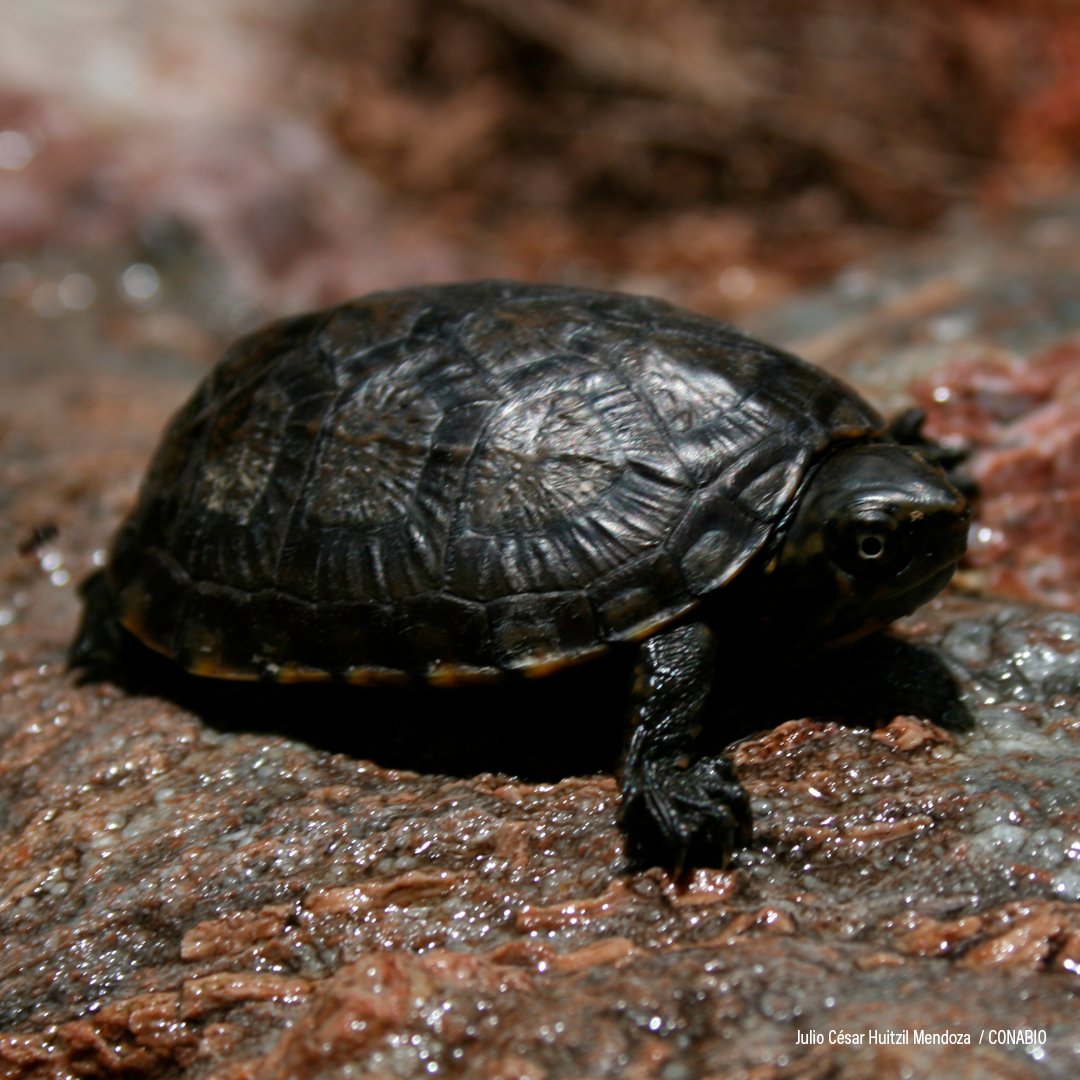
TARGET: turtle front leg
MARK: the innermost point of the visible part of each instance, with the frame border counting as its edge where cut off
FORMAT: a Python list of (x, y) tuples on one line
[(677, 807)]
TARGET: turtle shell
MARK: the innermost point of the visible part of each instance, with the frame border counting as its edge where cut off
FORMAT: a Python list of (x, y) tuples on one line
[(458, 481)]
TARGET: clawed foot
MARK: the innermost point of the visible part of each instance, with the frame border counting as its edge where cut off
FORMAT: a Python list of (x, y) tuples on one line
[(682, 816)]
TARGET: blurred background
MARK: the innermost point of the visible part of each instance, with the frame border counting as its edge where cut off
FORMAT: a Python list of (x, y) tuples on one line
[(888, 187), (289, 153)]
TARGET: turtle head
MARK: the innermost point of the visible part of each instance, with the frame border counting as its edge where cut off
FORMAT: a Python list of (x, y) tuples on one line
[(876, 532)]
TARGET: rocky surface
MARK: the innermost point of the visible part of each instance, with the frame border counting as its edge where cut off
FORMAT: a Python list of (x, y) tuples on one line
[(1020, 422), (177, 900), (181, 899)]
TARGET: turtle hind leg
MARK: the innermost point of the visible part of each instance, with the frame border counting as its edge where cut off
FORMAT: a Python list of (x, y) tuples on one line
[(679, 809), (98, 645)]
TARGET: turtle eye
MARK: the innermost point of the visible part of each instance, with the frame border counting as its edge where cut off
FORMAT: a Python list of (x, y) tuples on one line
[(870, 545), (870, 548)]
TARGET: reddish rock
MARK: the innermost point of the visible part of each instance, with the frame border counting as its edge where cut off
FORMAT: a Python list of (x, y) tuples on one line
[(178, 900), (1021, 420)]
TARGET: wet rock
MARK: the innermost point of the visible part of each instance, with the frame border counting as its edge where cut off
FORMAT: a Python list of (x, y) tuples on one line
[(1021, 421), (181, 899)]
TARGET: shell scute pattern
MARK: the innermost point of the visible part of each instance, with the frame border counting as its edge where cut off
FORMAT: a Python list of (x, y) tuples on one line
[(646, 446), (512, 340), (541, 627), (684, 405), (475, 568), (466, 478), (373, 450), (241, 452), (541, 462), (358, 334)]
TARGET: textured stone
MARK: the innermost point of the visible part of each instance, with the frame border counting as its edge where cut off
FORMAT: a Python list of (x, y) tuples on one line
[(181, 899)]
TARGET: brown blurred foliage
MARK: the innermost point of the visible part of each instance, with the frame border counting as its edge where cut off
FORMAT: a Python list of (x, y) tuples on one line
[(616, 130), (713, 152)]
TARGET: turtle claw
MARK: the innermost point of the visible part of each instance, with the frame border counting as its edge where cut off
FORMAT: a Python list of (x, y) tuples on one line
[(685, 816)]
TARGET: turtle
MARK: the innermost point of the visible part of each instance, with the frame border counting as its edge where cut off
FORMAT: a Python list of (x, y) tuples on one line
[(467, 483)]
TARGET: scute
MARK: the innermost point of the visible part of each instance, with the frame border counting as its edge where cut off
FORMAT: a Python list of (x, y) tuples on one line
[(542, 461), (373, 450), (685, 401), (241, 453), (456, 480)]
